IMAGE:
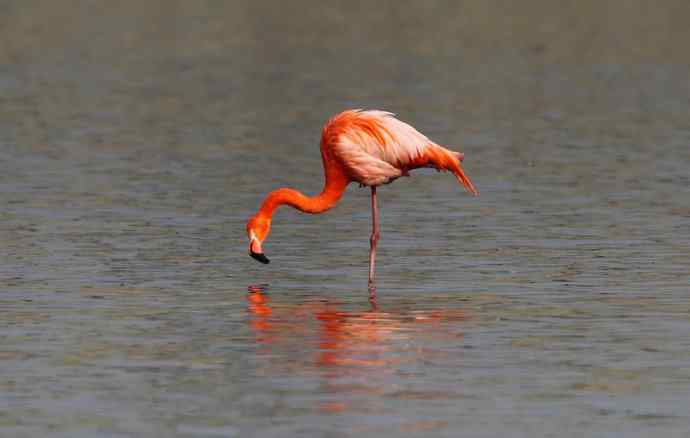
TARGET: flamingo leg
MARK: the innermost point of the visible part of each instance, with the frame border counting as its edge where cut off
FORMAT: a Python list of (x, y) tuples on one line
[(373, 242)]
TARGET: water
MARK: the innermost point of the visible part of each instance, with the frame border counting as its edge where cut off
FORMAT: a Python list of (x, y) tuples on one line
[(135, 141)]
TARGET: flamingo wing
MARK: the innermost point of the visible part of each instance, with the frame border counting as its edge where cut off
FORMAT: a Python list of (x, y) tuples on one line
[(374, 147)]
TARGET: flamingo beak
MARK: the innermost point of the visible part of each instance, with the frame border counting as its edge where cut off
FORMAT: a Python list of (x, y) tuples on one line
[(256, 253)]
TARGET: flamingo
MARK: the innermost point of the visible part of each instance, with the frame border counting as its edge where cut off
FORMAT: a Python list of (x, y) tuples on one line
[(370, 147)]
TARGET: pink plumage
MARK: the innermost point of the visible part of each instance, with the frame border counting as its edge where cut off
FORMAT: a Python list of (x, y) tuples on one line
[(376, 148)]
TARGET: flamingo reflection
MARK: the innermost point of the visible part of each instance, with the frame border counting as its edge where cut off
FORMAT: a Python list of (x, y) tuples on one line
[(346, 341)]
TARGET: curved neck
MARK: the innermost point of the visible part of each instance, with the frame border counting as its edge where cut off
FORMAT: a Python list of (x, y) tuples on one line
[(333, 190)]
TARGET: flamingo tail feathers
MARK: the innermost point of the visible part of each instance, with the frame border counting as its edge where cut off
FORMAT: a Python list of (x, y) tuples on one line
[(444, 159)]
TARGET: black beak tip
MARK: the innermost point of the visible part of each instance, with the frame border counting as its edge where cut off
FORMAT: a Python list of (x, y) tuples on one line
[(260, 257)]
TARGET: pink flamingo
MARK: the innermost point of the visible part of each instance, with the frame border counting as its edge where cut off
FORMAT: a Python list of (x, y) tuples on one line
[(371, 148)]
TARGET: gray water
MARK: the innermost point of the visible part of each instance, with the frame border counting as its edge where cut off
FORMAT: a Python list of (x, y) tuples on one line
[(136, 138)]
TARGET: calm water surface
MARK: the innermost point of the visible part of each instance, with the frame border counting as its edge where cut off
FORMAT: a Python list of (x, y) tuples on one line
[(134, 147)]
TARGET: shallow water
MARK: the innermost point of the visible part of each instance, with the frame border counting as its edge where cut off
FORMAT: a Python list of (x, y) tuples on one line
[(134, 148)]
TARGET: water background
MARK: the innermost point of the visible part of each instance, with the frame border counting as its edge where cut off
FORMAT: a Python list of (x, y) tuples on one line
[(136, 138)]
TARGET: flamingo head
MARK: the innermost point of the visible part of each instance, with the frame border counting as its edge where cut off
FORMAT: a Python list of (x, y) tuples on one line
[(258, 228)]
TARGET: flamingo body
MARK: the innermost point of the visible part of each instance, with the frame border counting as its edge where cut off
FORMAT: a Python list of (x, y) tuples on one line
[(375, 148), (369, 147)]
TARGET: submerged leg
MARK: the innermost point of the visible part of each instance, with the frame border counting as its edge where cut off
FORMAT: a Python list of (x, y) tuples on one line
[(373, 241)]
